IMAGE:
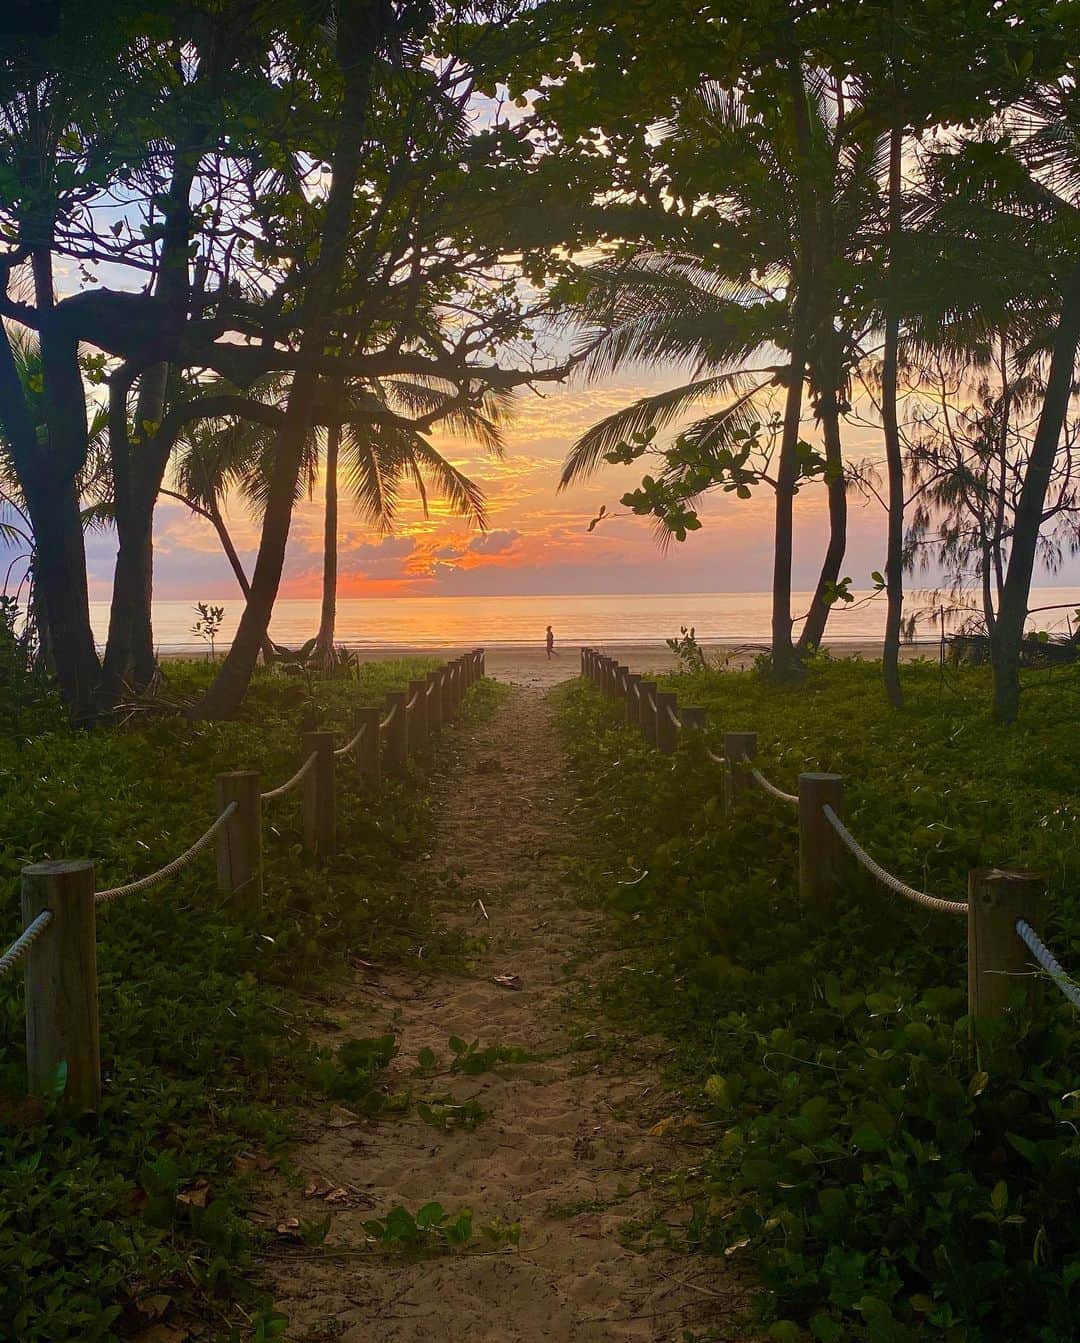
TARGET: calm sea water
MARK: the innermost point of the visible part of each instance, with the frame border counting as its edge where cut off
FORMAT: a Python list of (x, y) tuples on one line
[(422, 622)]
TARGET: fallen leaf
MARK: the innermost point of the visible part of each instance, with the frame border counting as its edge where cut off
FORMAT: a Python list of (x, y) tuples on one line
[(196, 1196), (671, 1124), (342, 1118), (289, 1229), (507, 981), (338, 1195), (165, 1333), (358, 963), (154, 1306)]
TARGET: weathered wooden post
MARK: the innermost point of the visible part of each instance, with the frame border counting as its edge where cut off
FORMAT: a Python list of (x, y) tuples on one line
[(434, 703), (63, 1040), (999, 964), (821, 851), (738, 746), (693, 719), (667, 730), (396, 732), (320, 824), (239, 841), (481, 663), (418, 717), (633, 699), (648, 711), (367, 748), (446, 690), (622, 681)]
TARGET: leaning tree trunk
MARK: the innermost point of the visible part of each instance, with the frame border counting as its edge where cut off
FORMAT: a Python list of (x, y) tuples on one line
[(818, 615), (359, 31), (1008, 635), (328, 617), (894, 461)]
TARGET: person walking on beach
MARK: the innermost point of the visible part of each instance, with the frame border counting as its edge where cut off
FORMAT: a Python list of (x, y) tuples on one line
[(550, 644)]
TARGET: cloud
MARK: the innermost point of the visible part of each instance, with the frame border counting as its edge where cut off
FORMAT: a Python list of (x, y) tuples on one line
[(381, 559), (493, 543)]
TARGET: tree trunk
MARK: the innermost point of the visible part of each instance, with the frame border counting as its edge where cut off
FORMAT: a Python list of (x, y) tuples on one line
[(61, 587), (137, 477), (325, 645), (49, 480), (785, 662), (1028, 518), (818, 615), (894, 459), (360, 29)]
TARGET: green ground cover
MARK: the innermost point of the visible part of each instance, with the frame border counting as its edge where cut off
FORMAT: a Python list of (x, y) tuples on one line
[(205, 1037), (882, 1185)]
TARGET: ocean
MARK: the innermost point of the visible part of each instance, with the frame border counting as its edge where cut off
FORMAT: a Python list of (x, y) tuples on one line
[(432, 622)]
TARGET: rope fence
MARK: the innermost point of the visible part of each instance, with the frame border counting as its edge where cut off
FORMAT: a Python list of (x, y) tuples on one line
[(1003, 908), (22, 944), (291, 782), (59, 897), (886, 878), (352, 743), (170, 869)]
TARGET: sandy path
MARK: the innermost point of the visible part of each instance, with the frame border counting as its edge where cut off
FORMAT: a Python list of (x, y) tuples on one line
[(566, 1139)]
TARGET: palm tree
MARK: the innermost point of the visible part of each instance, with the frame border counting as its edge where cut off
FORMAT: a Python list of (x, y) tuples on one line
[(1002, 214), (369, 442), (780, 197)]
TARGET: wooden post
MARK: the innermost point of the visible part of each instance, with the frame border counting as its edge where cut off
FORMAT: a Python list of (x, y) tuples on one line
[(396, 734), (62, 1028), (633, 702), (693, 719), (319, 804), (367, 749), (821, 852), (648, 713), (999, 965), (446, 690), (581, 654), (482, 655), (737, 779), (667, 734), (239, 841), (622, 681), (434, 704), (418, 716)]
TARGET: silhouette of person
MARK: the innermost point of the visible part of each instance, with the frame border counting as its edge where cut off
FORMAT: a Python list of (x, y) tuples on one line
[(551, 644)]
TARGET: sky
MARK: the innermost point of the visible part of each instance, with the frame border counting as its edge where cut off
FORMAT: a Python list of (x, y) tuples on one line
[(537, 541)]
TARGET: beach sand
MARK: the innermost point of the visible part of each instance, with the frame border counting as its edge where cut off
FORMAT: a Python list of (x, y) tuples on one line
[(530, 666)]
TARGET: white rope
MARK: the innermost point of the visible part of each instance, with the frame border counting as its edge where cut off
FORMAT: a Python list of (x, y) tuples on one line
[(388, 719), (413, 702), (716, 759), (351, 745), (637, 691), (26, 939), (431, 688), (886, 878), (282, 789), (674, 717), (1047, 960), (163, 874), (771, 788)]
